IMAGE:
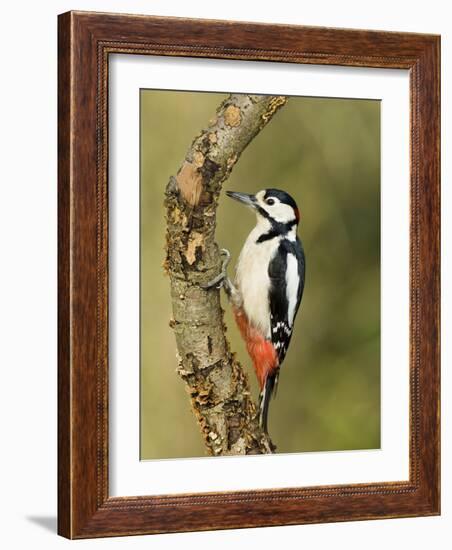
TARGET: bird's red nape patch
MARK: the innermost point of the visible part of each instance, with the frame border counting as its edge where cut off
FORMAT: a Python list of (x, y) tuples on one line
[(297, 214), (261, 351)]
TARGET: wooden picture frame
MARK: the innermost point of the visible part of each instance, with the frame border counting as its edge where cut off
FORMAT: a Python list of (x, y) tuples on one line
[(85, 42)]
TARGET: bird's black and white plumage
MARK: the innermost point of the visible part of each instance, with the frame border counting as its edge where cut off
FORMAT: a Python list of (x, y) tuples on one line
[(286, 272), (269, 284)]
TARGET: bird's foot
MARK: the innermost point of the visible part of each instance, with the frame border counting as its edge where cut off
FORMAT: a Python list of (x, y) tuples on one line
[(222, 279)]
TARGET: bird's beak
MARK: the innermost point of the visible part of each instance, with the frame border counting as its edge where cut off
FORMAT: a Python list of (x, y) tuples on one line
[(248, 200)]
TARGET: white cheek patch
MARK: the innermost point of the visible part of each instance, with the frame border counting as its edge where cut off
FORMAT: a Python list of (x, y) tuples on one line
[(281, 212), (278, 211)]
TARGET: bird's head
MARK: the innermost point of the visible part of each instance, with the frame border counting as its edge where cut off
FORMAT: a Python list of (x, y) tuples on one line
[(273, 205)]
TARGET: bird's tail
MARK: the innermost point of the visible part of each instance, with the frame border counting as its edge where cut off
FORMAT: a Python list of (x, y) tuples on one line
[(264, 399)]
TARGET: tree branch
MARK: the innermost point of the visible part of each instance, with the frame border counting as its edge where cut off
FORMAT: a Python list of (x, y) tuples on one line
[(218, 387)]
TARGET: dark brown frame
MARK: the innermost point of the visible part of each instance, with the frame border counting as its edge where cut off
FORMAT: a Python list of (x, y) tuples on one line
[(85, 41)]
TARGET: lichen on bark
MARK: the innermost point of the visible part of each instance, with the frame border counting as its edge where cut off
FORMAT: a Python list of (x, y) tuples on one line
[(216, 383)]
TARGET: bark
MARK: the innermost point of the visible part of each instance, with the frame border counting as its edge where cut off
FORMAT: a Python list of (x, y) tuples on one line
[(218, 387)]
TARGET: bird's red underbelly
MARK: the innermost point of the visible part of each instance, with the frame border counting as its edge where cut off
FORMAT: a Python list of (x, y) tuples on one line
[(261, 350)]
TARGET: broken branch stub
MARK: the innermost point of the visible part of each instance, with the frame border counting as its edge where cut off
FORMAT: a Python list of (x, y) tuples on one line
[(215, 381)]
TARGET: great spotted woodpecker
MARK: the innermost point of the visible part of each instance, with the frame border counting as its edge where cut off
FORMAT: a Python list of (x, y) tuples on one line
[(268, 286)]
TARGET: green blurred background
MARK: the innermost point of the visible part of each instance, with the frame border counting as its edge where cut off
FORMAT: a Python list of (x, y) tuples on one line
[(326, 153)]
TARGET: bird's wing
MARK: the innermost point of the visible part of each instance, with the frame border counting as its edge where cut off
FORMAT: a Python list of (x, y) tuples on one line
[(287, 273)]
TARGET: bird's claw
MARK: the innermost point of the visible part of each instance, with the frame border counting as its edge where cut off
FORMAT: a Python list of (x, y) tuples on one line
[(220, 279)]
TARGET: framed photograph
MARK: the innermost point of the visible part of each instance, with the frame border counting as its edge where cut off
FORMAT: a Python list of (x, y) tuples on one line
[(248, 275)]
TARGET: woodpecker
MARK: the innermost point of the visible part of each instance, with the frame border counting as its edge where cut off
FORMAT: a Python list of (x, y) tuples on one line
[(268, 286)]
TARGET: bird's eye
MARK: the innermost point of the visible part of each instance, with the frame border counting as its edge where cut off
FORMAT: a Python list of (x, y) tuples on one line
[(270, 201)]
